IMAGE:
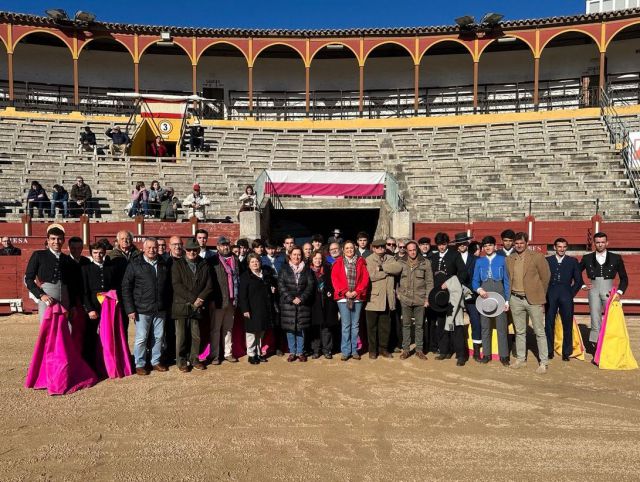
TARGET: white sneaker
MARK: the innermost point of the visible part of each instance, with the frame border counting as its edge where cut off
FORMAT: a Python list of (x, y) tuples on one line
[(518, 364), (542, 369)]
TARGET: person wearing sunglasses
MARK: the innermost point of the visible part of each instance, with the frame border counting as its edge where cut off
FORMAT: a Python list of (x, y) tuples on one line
[(391, 246)]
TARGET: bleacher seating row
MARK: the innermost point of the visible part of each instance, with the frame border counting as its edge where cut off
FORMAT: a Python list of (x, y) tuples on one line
[(494, 170)]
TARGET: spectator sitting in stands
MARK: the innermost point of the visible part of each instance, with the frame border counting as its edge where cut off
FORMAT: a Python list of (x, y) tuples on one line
[(87, 141), (120, 141), (60, 200), (169, 204), (195, 203), (158, 148), (81, 200), (248, 200), (139, 200), (155, 198), (196, 137), (37, 197), (8, 249)]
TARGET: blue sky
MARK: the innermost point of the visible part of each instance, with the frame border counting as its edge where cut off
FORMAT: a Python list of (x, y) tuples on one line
[(301, 13)]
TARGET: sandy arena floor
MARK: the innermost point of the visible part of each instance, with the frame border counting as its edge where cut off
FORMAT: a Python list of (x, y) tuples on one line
[(323, 420)]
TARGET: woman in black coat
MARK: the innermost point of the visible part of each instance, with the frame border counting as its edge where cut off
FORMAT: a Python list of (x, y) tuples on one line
[(296, 285), (256, 302), (324, 311)]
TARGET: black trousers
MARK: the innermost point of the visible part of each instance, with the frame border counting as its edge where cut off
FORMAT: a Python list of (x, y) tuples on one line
[(90, 342), (378, 329), (395, 328), (321, 339), (431, 332), (187, 347), (455, 341), (560, 300)]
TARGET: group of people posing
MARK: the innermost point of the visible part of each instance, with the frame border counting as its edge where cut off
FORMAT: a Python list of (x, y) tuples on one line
[(188, 295)]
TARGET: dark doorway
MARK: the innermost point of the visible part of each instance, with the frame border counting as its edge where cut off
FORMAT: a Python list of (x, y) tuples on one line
[(303, 223)]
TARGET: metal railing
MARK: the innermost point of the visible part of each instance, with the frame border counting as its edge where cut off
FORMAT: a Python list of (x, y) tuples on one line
[(619, 134), (263, 187), (340, 104)]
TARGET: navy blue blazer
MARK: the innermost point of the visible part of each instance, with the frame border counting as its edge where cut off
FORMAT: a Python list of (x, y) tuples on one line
[(564, 276)]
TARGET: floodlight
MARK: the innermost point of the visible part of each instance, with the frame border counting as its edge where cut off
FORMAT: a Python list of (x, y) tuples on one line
[(466, 21), (165, 36), (84, 17), (507, 40), (491, 19), (57, 14), (335, 47)]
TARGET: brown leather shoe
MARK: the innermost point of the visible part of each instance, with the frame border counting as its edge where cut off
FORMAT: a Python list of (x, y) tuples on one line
[(421, 355), (142, 371), (184, 369), (160, 368), (200, 366), (385, 354), (373, 355), (404, 355)]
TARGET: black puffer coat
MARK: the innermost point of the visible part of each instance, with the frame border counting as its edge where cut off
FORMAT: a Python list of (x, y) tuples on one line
[(255, 297), (295, 318), (144, 291), (324, 311)]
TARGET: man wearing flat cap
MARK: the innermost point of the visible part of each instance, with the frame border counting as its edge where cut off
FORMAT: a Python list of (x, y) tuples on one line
[(225, 274), (192, 287), (381, 304)]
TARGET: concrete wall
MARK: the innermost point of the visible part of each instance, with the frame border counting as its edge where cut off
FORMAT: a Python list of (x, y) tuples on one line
[(43, 64), (623, 56), (230, 73), (278, 75), (165, 72), (105, 69), (446, 70)]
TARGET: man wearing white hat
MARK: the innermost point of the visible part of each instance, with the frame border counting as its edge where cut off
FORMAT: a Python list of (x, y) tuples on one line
[(491, 282)]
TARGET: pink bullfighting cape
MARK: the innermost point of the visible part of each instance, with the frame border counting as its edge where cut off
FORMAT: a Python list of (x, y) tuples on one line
[(57, 364), (114, 357)]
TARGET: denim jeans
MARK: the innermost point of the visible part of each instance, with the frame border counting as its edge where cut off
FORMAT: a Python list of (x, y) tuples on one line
[(135, 208), (296, 343), (350, 320), (143, 326), (64, 205)]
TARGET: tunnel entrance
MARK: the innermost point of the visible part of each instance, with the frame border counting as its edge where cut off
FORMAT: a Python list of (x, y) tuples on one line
[(303, 223)]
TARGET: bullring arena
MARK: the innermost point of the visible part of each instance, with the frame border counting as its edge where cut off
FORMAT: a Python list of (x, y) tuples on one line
[(468, 129)]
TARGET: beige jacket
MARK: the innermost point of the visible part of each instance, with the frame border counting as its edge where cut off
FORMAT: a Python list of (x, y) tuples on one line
[(536, 276), (415, 283), (382, 276)]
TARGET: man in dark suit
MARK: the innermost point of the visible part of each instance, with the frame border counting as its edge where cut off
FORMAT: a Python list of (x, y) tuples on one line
[(445, 264), (602, 267), (469, 253), (58, 276), (564, 285), (98, 276), (508, 238)]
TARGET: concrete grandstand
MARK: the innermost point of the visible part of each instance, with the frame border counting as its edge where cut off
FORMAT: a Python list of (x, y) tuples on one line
[(526, 118)]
